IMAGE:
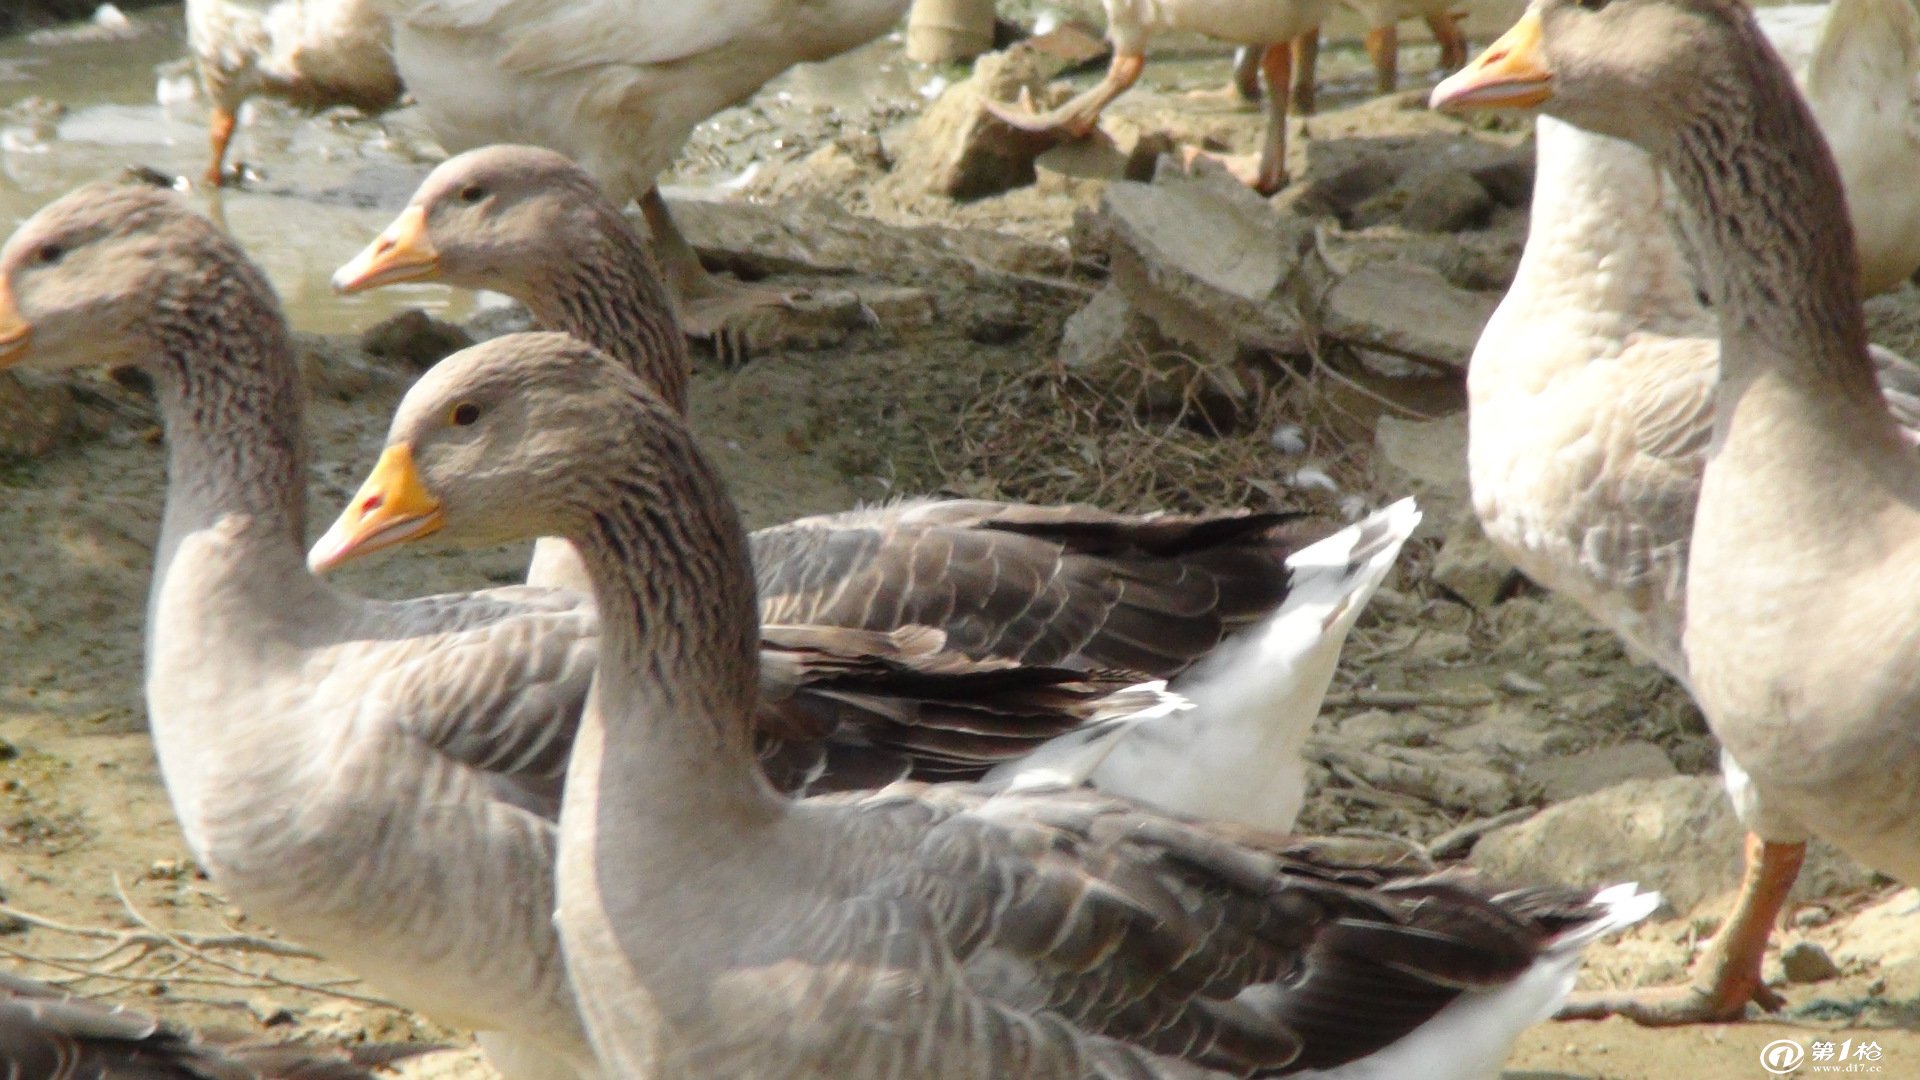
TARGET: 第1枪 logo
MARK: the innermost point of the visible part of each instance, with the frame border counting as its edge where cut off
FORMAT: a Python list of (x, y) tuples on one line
[(1782, 1056)]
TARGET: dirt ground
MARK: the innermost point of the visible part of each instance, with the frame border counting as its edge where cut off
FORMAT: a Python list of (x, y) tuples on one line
[(1450, 718)]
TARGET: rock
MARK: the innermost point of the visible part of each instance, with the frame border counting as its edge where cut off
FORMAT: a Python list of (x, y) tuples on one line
[(1208, 262), (898, 306), (965, 152), (1806, 962), (35, 417), (1564, 778), (1107, 331), (1131, 155), (413, 338), (1469, 566), (1450, 781), (1407, 310), (1509, 181), (17, 15), (1513, 732), (335, 366), (1885, 938), (1676, 835), (1447, 201)]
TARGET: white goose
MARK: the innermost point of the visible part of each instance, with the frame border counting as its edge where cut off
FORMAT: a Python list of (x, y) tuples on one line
[(312, 53)]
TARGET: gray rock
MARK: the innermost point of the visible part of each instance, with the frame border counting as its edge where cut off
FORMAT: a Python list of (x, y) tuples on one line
[(1106, 331), (1806, 962), (1446, 201), (1677, 835), (1565, 778), (1469, 566), (413, 338), (1208, 262), (1407, 310)]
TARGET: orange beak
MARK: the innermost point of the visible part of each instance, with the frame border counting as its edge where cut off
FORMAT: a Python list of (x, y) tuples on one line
[(1511, 74), (404, 252), (390, 509), (15, 331)]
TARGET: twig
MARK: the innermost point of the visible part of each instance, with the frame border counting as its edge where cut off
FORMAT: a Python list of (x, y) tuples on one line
[(152, 939), (1461, 838)]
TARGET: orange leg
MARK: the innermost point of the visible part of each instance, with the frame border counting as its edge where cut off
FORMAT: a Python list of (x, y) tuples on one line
[(1452, 40), (1306, 61), (219, 134), (1277, 66), (1730, 975), (1077, 118), (1383, 46)]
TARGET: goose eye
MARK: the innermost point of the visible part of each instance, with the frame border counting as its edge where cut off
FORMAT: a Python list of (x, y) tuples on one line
[(49, 254), (1592, 5), (472, 193), (464, 414)]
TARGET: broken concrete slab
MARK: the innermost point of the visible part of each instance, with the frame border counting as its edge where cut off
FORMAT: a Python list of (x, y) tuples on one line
[(1407, 310), (1209, 262)]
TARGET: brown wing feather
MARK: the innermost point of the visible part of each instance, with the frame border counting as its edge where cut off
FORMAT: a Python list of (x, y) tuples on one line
[(1064, 586)]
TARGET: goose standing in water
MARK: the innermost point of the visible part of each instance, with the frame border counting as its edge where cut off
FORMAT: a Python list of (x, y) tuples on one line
[(1248, 624), (1799, 632), (311, 53), (714, 928)]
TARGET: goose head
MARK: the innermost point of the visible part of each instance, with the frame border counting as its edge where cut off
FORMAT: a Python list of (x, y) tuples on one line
[(1633, 69), (481, 220), (486, 449), (91, 277)]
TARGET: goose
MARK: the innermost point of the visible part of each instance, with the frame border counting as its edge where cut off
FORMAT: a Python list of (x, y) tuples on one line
[(1858, 63), (319, 748), (312, 53), (1797, 636), (1382, 44), (618, 85), (714, 928), (48, 1034), (529, 223), (1271, 26)]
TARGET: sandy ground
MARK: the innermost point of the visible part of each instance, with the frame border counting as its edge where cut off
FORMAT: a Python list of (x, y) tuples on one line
[(1510, 707)]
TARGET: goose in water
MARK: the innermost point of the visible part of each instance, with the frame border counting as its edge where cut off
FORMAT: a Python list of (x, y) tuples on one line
[(1798, 634), (1247, 623), (715, 928)]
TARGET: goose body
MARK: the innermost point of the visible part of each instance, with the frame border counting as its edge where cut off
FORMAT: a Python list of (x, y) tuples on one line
[(617, 85), (1246, 622), (311, 53), (936, 931), (1800, 543)]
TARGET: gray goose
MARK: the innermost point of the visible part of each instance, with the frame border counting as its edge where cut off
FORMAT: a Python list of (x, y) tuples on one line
[(1799, 636), (1247, 623), (1591, 407), (714, 928), (48, 1034), (318, 748)]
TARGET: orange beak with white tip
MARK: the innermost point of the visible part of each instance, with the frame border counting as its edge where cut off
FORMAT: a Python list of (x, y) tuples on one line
[(391, 508), (404, 252), (1511, 74)]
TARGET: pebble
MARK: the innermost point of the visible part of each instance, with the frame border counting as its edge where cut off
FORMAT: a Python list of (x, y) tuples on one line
[(1806, 962)]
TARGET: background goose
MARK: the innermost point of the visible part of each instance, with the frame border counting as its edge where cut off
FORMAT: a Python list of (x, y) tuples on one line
[(1858, 63), (320, 749), (312, 53), (1269, 25), (1262, 618), (714, 928), (1807, 525), (47, 1034), (618, 85)]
